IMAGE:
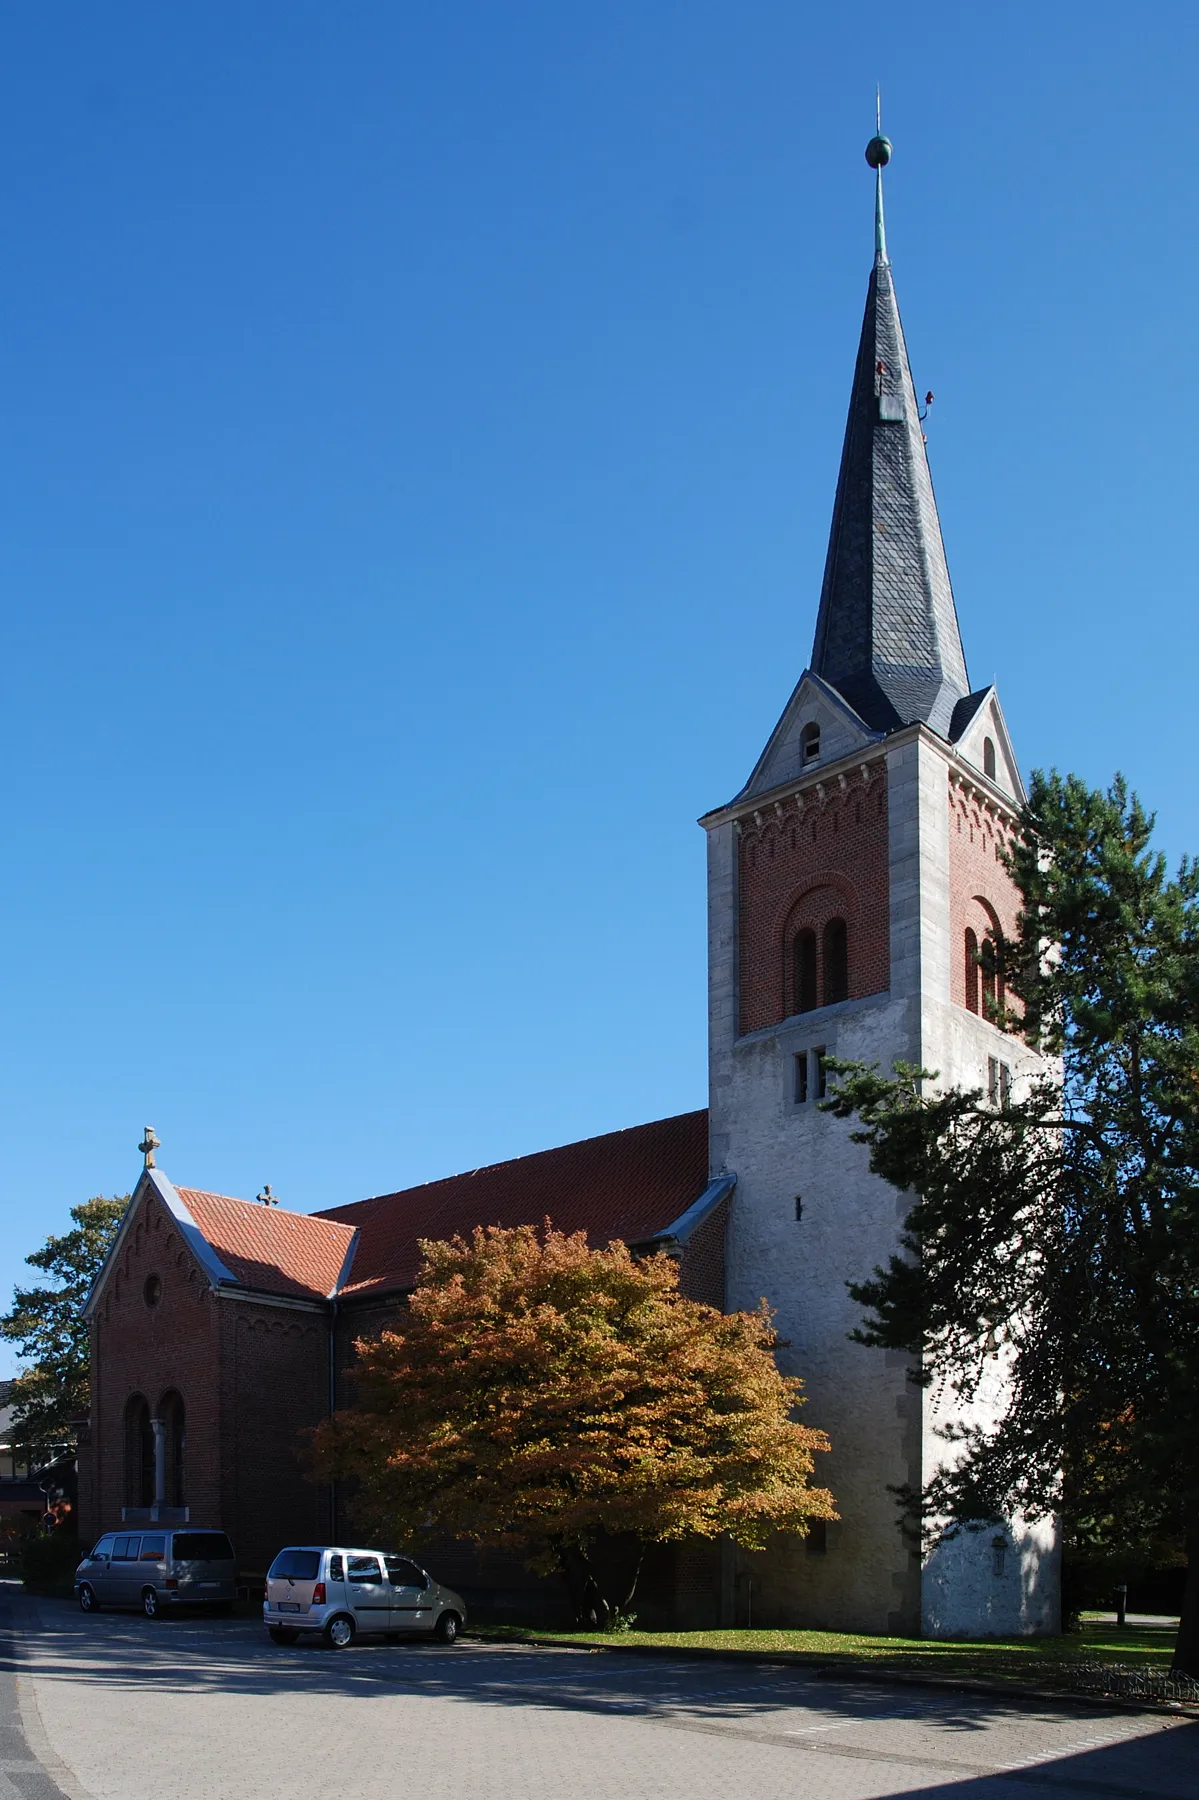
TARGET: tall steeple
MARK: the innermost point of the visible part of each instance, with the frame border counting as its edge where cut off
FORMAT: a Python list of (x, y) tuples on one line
[(887, 633)]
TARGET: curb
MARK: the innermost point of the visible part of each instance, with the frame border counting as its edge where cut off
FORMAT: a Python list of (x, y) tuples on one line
[(25, 1620), (991, 1686)]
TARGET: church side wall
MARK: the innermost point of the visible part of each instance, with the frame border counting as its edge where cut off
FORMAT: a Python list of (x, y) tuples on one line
[(274, 1381)]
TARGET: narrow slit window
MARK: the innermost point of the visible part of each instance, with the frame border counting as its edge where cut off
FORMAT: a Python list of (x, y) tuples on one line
[(972, 970), (988, 758), (836, 962), (801, 1078), (805, 971), (809, 739), (821, 1075)]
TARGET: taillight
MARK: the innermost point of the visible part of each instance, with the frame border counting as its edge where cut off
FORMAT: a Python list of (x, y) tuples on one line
[(170, 1582), (318, 1594)]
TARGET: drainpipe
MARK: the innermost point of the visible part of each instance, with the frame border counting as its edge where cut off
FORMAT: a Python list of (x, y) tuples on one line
[(158, 1427), (332, 1410)]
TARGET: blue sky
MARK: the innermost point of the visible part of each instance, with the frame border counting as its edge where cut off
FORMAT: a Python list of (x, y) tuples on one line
[(419, 426)]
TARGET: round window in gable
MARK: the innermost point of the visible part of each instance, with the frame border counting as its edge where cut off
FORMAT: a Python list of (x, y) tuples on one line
[(152, 1292)]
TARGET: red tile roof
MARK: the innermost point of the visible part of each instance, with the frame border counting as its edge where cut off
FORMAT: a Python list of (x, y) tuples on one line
[(628, 1184), (267, 1248)]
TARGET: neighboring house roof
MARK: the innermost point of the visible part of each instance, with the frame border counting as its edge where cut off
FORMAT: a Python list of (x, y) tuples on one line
[(629, 1185), (267, 1248)]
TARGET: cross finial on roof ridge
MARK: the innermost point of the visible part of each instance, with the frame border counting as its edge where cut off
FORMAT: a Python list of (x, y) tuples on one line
[(148, 1146), (266, 1196)]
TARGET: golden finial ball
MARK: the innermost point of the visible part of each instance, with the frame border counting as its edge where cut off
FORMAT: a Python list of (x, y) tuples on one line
[(878, 152)]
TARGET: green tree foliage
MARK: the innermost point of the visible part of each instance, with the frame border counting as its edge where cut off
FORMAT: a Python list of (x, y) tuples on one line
[(47, 1325), (1059, 1233), (568, 1403)]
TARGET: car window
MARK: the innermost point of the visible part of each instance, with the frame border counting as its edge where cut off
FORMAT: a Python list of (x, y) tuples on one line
[(202, 1546), (366, 1571), (402, 1573), (125, 1549), (337, 1568), (104, 1547), (295, 1565), (153, 1549)]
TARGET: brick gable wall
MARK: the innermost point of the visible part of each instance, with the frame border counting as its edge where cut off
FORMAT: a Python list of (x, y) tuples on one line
[(141, 1349), (820, 855)]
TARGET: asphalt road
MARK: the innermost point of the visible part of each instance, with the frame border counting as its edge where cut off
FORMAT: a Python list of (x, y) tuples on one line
[(115, 1708)]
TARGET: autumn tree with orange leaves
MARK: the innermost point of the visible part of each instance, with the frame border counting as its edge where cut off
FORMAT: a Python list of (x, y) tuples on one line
[(556, 1400)]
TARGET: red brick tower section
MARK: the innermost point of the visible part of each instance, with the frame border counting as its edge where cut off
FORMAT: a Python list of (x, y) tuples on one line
[(813, 898), (983, 898)]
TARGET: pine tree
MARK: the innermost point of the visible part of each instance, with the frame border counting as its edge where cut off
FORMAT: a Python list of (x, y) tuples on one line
[(1060, 1231), (48, 1326)]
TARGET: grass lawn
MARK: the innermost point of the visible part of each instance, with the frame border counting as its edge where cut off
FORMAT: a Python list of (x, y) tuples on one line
[(1043, 1661)]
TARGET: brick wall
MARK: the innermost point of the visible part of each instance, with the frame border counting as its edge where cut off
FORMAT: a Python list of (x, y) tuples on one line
[(981, 892), (142, 1349), (820, 855), (275, 1387), (701, 1270)]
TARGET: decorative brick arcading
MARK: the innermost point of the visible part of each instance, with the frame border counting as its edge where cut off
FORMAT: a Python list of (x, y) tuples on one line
[(981, 891), (820, 854)]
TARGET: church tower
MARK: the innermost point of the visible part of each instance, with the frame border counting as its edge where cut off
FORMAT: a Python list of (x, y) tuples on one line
[(850, 885)]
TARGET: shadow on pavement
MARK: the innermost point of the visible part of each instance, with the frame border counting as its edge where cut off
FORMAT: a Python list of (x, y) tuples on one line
[(953, 1737)]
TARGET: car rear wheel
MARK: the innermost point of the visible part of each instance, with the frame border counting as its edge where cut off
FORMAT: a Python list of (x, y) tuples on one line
[(446, 1628), (150, 1604), (87, 1598), (340, 1632), (281, 1635)]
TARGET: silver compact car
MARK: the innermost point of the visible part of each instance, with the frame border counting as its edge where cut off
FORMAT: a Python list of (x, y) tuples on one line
[(158, 1571), (315, 1591)]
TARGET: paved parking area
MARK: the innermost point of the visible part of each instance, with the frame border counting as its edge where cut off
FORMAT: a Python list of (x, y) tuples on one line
[(203, 1709)]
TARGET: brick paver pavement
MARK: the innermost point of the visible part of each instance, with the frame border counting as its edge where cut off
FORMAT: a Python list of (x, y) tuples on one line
[(200, 1709)]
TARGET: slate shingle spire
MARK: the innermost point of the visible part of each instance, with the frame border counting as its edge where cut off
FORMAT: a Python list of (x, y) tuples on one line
[(887, 633)]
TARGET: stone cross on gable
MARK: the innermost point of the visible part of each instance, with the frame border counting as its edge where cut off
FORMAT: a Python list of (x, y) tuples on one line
[(148, 1146)]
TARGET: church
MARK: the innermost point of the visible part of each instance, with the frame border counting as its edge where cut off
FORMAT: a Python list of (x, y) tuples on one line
[(851, 883)]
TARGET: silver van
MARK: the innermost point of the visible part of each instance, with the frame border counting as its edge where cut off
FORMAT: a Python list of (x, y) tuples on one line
[(336, 1593), (158, 1571)]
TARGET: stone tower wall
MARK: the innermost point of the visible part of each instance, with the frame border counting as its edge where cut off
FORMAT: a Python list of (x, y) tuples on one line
[(866, 1575)]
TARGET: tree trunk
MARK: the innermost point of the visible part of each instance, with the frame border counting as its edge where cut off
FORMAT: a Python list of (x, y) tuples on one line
[(590, 1609), (592, 1578), (1186, 1646)]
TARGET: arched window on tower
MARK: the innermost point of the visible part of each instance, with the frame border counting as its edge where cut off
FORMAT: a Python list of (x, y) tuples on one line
[(836, 962), (972, 970), (804, 975), (988, 758), (174, 1424), (809, 739), (139, 1453)]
